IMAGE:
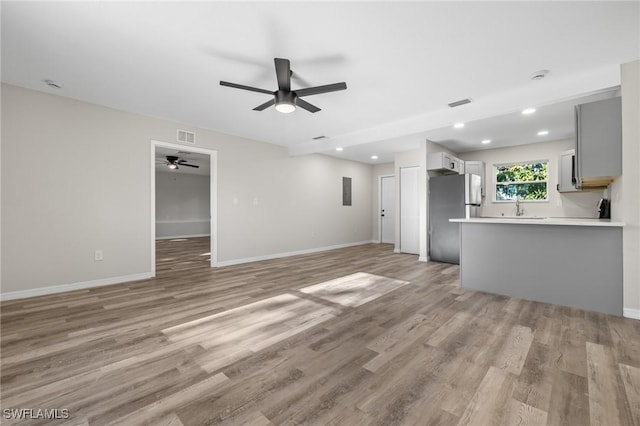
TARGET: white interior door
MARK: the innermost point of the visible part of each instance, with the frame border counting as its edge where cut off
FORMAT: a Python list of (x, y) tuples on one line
[(409, 210), (388, 209)]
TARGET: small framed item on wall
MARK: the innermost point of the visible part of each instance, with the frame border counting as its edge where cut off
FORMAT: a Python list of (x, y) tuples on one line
[(346, 191)]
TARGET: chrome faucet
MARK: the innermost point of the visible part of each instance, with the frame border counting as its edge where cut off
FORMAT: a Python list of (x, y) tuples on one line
[(519, 211)]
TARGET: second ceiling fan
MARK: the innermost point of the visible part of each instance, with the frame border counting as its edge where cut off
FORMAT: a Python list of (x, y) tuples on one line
[(285, 99)]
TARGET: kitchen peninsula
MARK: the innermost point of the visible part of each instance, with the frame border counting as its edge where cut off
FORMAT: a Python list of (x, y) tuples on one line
[(571, 262)]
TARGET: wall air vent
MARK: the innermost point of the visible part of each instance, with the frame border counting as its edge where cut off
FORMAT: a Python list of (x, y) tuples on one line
[(319, 137), (460, 102), (185, 136)]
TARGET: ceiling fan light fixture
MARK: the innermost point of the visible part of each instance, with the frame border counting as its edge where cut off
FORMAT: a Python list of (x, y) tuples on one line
[(172, 166), (285, 102), (285, 107)]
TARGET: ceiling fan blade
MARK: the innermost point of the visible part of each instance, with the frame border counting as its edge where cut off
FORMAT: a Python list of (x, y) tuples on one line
[(321, 89), (283, 72), (265, 105), (306, 105), (243, 87), (189, 165)]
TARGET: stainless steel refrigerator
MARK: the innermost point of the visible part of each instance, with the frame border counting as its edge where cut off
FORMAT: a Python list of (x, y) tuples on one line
[(450, 197)]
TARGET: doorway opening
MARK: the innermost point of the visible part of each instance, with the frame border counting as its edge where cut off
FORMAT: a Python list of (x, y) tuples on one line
[(183, 207)]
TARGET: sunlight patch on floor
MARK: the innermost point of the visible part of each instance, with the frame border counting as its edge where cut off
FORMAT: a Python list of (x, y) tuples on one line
[(232, 335), (355, 289)]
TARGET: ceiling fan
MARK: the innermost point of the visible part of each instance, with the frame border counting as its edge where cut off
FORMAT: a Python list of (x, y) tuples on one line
[(174, 162), (285, 99)]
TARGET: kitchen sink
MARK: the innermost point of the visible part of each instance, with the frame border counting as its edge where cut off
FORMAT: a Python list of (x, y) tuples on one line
[(512, 217)]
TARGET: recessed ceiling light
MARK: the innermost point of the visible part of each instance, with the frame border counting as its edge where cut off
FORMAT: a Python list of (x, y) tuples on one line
[(374, 157), (339, 148), (543, 133), (486, 141), (458, 125), (528, 111), (53, 84)]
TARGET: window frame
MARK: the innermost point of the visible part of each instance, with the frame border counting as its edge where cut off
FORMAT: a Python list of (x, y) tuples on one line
[(513, 163)]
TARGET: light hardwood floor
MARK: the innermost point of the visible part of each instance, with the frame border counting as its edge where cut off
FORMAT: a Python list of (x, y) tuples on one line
[(269, 343)]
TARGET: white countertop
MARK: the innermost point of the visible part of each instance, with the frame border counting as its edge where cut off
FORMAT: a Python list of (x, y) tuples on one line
[(524, 220)]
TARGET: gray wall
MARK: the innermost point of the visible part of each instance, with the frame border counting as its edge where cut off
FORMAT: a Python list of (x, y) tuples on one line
[(87, 187), (182, 205)]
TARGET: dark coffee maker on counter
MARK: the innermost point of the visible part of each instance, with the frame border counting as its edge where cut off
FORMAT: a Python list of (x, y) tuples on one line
[(604, 208)]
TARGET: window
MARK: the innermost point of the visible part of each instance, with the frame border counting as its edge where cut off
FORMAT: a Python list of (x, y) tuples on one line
[(527, 181)]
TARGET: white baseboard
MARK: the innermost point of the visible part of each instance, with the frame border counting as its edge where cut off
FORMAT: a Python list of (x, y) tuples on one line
[(287, 254), (183, 236), (376, 241), (423, 259), (21, 294), (396, 250), (631, 313)]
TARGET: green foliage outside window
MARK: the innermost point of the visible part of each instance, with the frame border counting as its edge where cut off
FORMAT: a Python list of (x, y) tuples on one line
[(526, 181)]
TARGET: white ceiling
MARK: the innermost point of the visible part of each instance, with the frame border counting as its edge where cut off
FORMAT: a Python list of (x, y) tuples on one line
[(403, 62)]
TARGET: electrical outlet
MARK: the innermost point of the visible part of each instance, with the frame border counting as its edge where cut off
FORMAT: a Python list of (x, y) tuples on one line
[(98, 256)]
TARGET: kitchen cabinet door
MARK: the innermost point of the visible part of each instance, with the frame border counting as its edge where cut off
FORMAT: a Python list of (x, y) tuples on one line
[(599, 142)]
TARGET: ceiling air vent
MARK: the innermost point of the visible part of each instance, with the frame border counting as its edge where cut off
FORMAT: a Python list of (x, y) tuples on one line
[(460, 102), (185, 136), (319, 137)]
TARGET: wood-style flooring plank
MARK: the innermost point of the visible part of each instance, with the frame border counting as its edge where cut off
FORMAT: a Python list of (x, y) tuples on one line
[(569, 402), (606, 402), (631, 380), (513, 354), (490, 402), (519, 413)]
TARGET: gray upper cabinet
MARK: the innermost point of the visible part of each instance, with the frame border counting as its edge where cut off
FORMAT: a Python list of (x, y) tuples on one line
[(598, 142)]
